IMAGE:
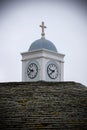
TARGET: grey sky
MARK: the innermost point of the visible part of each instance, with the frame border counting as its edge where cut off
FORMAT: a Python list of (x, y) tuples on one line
[(66, 28)]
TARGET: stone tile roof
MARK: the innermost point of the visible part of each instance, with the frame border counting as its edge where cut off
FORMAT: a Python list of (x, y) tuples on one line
[(43, 105)]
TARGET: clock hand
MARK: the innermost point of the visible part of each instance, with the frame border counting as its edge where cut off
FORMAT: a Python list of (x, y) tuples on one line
[(31, 70), (52, 71)]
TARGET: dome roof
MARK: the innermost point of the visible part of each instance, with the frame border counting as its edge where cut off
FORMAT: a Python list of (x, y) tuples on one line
[(42, 44)]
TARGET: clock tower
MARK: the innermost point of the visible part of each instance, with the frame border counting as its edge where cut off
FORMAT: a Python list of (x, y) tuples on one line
[(42, 62)]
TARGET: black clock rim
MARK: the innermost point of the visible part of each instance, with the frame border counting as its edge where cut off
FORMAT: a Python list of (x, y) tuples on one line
[(49, 74), (35, 73)]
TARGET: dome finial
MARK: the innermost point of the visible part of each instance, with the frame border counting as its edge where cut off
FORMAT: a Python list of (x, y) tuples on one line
[(43, 27)]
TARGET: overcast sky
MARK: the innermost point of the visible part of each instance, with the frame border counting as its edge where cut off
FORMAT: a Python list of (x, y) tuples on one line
[(66, 22)]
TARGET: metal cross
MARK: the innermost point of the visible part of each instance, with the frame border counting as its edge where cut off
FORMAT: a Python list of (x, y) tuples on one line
[(43, 27)]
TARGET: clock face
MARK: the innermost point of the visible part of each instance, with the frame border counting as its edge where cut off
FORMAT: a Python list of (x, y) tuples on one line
[(32, 70), (52, 71)]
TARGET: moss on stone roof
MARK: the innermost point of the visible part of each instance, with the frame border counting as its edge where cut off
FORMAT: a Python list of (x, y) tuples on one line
[(43, 105)]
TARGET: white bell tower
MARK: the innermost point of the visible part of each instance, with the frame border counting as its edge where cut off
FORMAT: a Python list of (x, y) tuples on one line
[(42, 62)]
